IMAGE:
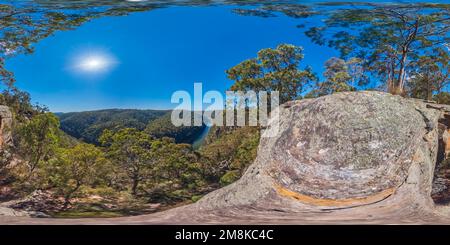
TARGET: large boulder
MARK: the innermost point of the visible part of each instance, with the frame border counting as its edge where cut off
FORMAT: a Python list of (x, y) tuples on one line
[(341, 150)]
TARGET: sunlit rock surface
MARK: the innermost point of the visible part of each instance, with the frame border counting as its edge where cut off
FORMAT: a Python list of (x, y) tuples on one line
[(5, 124), (360, 157)]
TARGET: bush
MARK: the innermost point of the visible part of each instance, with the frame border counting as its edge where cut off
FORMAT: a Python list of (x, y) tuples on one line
[(196, 198), (229, 177), (442, 98)]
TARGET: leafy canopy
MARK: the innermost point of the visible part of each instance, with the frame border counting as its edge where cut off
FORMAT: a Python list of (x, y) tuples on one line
[(388, 37), (38, 139), (340, 76), (72, 168), (273, 70)]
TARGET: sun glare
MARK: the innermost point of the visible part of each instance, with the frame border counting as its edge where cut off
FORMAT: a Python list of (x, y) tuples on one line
[(93, 62)]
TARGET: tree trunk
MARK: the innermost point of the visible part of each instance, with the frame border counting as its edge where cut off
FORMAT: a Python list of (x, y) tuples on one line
[(32, 166), (399, 88), (401, 75), (68, 196), (134, 186), (429, 89)]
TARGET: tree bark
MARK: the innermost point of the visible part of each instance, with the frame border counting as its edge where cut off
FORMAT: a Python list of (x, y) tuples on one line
[(134, 186), (68, 196), (402, 71)]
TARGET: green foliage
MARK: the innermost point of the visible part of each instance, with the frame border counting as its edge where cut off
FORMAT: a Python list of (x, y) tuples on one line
[(340, 76), (154, 167), (77, 214), (37, 140), (196, 198), (432, 74), (89, 125), (133, 151), (273, 70), (442, 98), (72, 168), (229, 177), (228, 149), (388, 37), (19, 102), (293, 10), (176, 165)]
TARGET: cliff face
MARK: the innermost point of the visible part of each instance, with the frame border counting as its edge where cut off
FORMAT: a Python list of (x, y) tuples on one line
[(5, 125)]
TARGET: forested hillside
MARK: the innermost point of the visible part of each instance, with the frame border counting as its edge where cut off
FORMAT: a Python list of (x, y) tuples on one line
[(89, 125)]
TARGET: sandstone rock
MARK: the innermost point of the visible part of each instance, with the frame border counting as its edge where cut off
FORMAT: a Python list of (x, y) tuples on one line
[(5, 125), (37, 202), (5, 211)]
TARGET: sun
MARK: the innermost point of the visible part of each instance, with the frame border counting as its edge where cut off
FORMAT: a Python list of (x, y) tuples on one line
[(92, 62)]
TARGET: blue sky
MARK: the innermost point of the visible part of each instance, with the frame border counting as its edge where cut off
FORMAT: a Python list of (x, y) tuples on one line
[(155, 53)]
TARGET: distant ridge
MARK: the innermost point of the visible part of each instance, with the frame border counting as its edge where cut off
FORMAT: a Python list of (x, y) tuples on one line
[(89, 125)]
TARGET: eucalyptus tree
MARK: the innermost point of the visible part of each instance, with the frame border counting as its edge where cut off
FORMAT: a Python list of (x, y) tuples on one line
[(37, 141), (134, 152), (431, 75), (73, 168), (275, 69), (340, 76), (390, 38)]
